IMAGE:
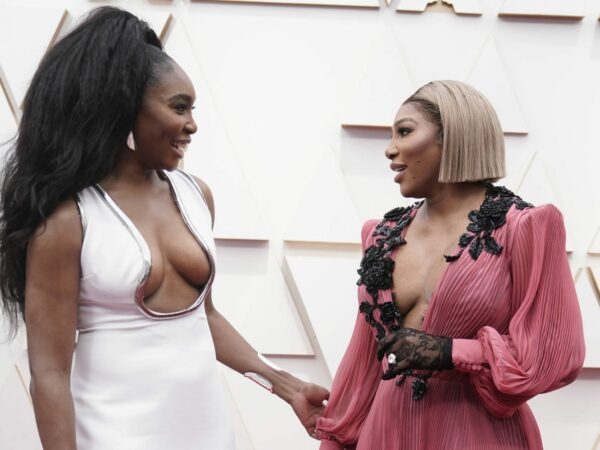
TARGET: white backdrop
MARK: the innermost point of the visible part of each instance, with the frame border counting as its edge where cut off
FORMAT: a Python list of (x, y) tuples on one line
[(294, 105)]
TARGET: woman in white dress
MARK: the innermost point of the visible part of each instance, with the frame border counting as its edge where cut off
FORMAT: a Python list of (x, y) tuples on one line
[(103, 237)]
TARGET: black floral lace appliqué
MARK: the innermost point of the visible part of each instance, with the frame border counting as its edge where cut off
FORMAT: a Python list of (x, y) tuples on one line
[(490, 216), (377, 266)]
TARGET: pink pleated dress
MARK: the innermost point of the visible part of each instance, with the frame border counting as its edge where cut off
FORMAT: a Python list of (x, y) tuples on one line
[(506, 298)]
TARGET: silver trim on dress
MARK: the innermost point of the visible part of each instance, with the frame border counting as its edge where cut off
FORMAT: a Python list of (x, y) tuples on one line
[(147, 258)]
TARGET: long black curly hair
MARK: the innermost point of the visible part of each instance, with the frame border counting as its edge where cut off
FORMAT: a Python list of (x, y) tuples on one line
[(79, 108)]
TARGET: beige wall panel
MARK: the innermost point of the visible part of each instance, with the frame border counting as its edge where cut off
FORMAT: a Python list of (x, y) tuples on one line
[(326, 213), (595, 247), (270, 422), (327, 288), (242, 438), (519, 156), (383, 84), (8, 121), (568, 417), (498, 88), (9, 109), (251, 293), (210, 157), (283, 74), (539, 9), (537, 188), (21, 57), (439, 46), (464, 7), (590, 311), (367, 172), (17, 423), (341, 3)]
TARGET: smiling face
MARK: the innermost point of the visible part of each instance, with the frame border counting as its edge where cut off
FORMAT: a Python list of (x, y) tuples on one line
[(415, 152), (164, 124)]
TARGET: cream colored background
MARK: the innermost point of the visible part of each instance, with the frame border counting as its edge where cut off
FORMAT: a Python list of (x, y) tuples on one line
[(293, 108)]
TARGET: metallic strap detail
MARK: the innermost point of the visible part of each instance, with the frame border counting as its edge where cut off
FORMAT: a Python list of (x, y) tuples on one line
[(82, 216), (147, 258)]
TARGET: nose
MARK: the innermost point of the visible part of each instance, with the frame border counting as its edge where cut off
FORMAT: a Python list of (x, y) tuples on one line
[(391, 151), (191, 126)]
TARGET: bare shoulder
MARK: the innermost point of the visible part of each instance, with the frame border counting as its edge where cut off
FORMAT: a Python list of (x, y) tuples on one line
[(207, 193), (61, 232)]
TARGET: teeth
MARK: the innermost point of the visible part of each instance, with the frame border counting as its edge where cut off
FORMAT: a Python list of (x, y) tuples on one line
[(180, 145)]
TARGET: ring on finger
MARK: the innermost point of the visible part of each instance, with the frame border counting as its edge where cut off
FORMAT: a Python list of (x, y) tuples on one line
[(391, 359)]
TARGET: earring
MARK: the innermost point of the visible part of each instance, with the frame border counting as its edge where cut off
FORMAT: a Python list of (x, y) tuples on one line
[(131, 141)]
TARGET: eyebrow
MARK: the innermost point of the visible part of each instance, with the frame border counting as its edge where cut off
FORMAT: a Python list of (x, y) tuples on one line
[(404, 119), (181, 97)]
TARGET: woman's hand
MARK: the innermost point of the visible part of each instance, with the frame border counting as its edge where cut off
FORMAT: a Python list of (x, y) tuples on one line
[(309, 403), (408, 348)]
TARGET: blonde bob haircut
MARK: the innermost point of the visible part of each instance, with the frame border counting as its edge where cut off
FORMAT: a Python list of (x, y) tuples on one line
[(469, 131)]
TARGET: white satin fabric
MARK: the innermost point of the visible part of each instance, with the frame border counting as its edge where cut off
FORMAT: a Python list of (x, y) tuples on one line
[(142, 380)]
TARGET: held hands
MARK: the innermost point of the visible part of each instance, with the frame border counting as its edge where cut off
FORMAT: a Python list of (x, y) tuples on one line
[(309, 403), (408, 348)]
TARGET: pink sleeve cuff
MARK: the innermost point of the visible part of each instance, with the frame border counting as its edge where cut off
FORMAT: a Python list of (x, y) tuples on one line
[(467, 355)]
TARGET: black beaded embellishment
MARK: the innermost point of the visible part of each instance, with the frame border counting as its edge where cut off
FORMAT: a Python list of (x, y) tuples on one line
[(377, 266), (490, 216)]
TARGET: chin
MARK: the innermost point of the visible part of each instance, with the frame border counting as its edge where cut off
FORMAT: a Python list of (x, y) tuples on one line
[(407, 192)]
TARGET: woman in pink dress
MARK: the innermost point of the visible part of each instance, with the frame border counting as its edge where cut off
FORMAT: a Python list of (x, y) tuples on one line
[(467, 307)]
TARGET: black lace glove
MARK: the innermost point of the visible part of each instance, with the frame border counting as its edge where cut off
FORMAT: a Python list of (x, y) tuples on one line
[(414, 349)]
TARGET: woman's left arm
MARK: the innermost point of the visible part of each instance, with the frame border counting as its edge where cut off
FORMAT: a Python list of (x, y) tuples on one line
[(544, 348), (306, 399)]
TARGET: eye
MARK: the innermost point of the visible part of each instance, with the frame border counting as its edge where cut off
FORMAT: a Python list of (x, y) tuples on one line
[(403, 131), (181, 108)]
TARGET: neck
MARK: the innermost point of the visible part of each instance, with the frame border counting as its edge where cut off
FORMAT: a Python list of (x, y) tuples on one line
[(130, 173), (453, 199)]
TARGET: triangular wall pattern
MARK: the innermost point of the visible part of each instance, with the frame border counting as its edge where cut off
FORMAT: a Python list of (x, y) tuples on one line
[(537, 189), (587, 292), (498, 88), (43, 24), (8, 119), (327, 289), (288, 433), (519, 156), (251, 293), (242, 438), (367, 173), (449, 56), (595, 247), (326, 213), (381, 88), (14, 393), (210, 155)]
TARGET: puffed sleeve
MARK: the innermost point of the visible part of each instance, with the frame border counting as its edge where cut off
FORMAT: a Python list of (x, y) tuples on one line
[(354, 384), (544, 348)]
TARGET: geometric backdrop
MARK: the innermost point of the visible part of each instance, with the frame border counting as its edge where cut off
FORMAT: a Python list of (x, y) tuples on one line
[(294, 104)]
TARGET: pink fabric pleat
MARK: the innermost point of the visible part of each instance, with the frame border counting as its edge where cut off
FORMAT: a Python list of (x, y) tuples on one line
[(517, 332)]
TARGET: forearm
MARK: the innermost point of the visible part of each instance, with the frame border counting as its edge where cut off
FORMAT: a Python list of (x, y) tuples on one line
[(236, 353), (54, 411)]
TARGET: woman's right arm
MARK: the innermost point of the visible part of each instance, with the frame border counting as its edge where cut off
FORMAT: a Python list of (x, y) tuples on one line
[(51, 293), (355, 382)]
